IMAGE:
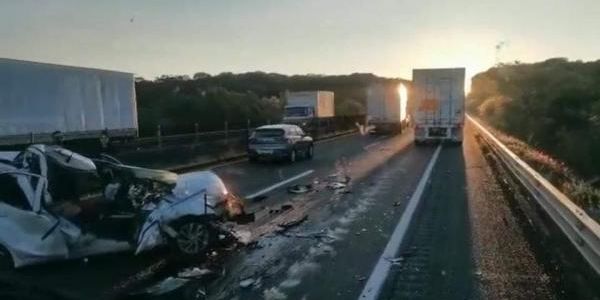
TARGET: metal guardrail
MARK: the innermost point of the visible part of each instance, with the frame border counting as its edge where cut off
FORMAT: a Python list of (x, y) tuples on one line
[(581, 229)]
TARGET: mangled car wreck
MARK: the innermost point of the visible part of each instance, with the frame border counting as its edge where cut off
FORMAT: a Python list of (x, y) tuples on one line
[(56, 204)]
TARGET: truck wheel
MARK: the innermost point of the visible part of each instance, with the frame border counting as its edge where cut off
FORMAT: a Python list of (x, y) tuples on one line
[(194, 236), (6, 261), (310, 152), (292, 157)]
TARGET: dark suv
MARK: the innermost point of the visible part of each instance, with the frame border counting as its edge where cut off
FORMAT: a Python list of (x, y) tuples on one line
[(281, 141)]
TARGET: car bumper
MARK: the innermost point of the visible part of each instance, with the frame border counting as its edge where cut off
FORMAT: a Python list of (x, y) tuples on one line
[(281, 152)]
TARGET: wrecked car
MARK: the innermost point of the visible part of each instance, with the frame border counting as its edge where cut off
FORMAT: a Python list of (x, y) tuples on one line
[(49, 212)]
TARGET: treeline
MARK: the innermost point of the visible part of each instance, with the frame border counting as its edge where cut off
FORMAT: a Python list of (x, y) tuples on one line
[(176, 103), (553, 105)]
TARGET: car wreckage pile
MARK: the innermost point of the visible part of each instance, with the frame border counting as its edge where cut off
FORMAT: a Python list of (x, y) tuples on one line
[(56, 204)]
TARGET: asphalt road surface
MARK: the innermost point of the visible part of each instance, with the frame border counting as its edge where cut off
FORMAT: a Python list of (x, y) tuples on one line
[(381, 218)]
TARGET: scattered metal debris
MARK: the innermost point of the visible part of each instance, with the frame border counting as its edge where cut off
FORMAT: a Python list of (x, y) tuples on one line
[(336, 185), (317, 235), (194, 272), (246, 283), (287, 225), (167, 285), (300, 188), (396, 260)]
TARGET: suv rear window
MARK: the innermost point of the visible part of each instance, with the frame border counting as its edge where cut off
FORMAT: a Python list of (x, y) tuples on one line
[(269, 133)]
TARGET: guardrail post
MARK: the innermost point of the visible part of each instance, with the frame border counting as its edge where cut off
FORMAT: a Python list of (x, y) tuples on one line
[(196, 133), (226, 133), (158, 136)]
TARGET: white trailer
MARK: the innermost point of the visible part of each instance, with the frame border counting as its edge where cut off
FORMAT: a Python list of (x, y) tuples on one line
[(439, 101), (308, 105), (37, 99), (386, 110)]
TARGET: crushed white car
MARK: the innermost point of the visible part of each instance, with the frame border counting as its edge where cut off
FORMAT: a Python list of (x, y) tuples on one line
[(43, 216)]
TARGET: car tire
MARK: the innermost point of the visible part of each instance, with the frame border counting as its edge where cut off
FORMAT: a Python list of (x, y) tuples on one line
[(310, 152), (6, 260), (252, 158), (194, 236), (292, 156)]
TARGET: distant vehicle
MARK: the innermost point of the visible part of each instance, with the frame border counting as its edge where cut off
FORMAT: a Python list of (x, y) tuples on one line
[(281, 141), (386, 110), (439, 100), (144, 207), (39, 99), (303, 108)]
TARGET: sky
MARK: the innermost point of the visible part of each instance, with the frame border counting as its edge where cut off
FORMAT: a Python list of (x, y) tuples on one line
[(389, 38)]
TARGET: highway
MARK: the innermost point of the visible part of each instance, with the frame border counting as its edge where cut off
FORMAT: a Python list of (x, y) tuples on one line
[(403, 222)]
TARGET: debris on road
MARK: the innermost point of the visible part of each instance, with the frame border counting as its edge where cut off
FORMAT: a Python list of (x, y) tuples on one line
[(317, 235), (287, 225), (194, 272), (300, 188), (167, 285), (246, 283), (243, 237), (336, 185), (396, 261), (360, 278), (285, 207)]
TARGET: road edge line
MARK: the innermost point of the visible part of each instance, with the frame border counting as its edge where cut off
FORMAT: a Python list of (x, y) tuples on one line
[(374, 284), (276, 185)]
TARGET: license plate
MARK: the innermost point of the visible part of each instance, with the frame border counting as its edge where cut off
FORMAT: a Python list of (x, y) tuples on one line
[(264, 151)]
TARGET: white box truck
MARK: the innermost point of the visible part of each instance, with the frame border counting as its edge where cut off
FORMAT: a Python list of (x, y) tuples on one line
[(439, 104), (304, 107), (38, 99), (386, 110)]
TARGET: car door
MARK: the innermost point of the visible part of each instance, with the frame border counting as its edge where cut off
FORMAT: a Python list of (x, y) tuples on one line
[(30, 236)]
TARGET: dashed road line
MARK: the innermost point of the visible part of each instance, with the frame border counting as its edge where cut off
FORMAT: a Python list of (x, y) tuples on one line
[(279, 184), (377, 278)]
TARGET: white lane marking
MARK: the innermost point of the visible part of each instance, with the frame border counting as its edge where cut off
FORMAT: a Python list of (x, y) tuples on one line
[(373, 286), (274, 186)]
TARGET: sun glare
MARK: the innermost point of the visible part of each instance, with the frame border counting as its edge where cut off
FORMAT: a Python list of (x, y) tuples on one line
[(403, 100)]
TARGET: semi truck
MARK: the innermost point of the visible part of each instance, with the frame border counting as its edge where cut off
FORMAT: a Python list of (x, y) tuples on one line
[(39, 100), (386, 108), (303, 108), (439, 104)]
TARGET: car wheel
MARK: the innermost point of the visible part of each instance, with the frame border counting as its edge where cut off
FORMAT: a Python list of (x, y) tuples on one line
[(194, 236), (310, 152), (292, 156), (6, 260)]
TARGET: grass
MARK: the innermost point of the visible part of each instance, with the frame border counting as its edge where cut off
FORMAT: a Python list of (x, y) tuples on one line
[(558, 173)]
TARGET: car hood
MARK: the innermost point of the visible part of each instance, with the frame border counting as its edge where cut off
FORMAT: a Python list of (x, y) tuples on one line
[(195, 182)]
